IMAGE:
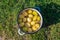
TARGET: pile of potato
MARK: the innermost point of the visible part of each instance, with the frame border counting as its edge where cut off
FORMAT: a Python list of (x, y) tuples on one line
[(29, 21)]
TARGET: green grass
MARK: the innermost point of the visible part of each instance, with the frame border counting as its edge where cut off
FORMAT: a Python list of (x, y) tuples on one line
[(50, 10)]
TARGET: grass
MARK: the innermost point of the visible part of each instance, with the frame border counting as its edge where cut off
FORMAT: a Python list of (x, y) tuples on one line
[(50, 10)]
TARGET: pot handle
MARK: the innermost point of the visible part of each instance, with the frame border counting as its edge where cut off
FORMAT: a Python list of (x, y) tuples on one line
[(20, 32)]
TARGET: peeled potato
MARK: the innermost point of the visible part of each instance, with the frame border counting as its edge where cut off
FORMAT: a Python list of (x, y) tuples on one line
[(24, 19), (25, 13), (34, 28), (30, 15), (27, 25), (33, 22), (37, 25), (29, 11), (22, 24), (34, 18), (29, 19), (38, 18), (35, 13), (25, 29), (21, 16), (29, 30)]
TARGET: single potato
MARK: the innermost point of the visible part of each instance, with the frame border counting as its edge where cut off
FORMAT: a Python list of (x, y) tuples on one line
[(34, 18), (25, 13), (37, 26), (34, 28), (30, 15), (24, 19), (29, 11), (29, 30), (27, 25), (33, 22), (21, 24), (25, 29), (35, 13), (29, 20), (21, 16), (38, 18)]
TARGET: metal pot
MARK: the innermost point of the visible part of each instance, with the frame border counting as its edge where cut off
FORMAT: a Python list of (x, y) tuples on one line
[(20, 31)]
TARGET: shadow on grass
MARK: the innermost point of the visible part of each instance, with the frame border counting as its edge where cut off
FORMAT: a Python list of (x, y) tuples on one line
[(50, 13)]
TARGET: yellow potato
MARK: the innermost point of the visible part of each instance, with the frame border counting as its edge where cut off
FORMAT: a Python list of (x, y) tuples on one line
[(35, 13), (25, 29), (30, 15), (27, 25), (37, 26), (34, 28), (28, 19), (21, 16), (25, 13), (33, 22), (24, 19), (29, 30), (38, 18), (34, 18), (29, 11), (22, 24)]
